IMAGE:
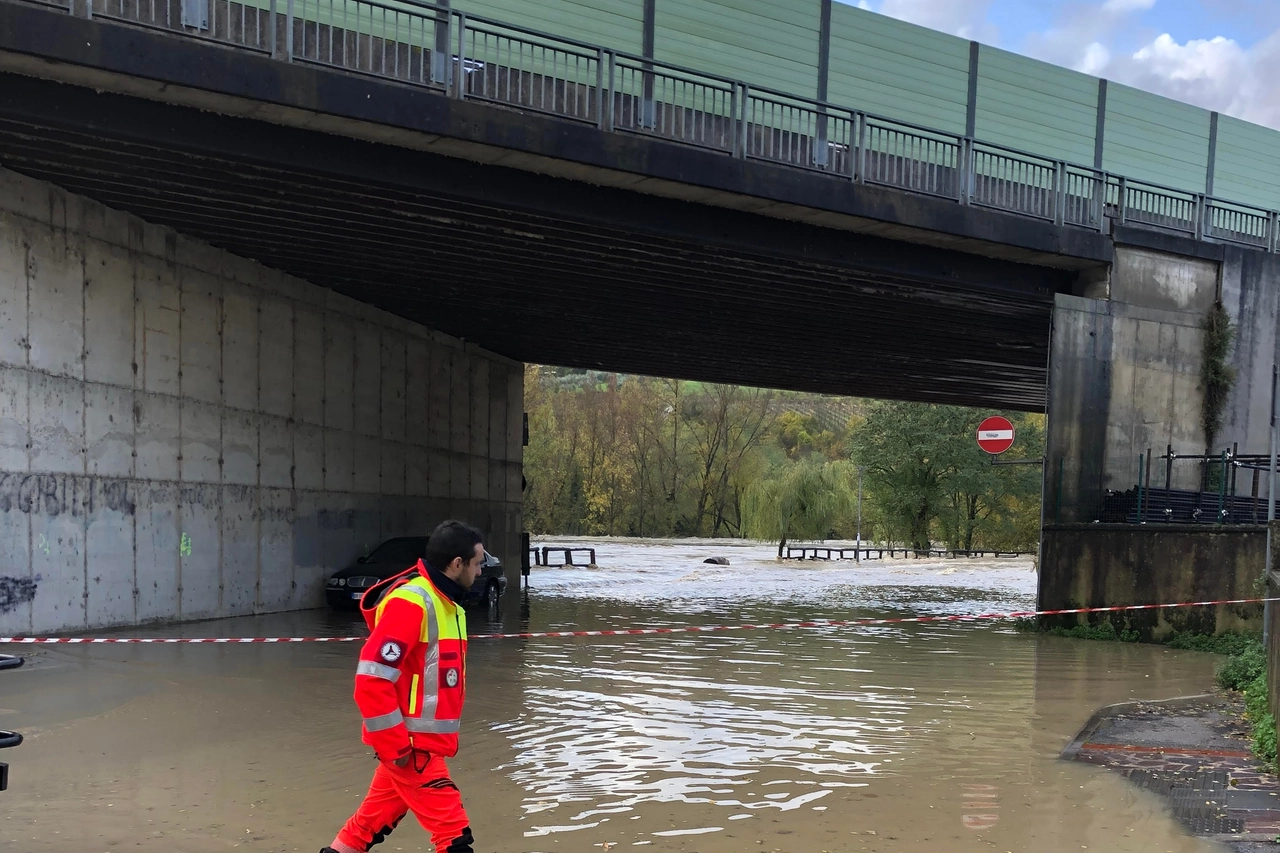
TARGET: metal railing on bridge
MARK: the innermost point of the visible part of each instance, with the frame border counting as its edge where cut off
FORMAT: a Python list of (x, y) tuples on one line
[(471, 57)]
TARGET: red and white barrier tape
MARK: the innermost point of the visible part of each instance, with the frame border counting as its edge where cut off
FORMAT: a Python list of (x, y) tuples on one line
[(633, 632)]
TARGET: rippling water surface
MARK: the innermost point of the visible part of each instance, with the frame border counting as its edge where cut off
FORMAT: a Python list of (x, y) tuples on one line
[(885, 738)]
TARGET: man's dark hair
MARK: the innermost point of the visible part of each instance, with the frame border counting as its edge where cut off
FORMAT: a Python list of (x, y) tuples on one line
[(451, 539)]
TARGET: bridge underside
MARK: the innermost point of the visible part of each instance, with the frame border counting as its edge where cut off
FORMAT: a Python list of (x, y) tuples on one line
[(544, 269)]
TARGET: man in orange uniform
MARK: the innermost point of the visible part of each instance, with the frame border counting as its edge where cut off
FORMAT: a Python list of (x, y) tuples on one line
[(410, 685)]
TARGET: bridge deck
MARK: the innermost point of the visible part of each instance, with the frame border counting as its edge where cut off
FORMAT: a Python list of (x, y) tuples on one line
[(497, 255)]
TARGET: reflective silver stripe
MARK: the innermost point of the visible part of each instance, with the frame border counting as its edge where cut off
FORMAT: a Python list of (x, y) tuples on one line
[(433, 630), (427, 724), (417, 592), (439, 727), (384, 722), (431, 668), (431, 671), (378, 670)]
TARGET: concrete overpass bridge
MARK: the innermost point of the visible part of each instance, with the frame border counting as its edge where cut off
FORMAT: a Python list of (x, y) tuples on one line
[(482, 194)]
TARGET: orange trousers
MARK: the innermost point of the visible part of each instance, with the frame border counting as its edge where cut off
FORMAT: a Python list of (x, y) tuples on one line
[(427, 792)]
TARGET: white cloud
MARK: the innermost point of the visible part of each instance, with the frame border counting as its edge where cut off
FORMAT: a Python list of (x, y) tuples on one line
[(1079, 38), (1217, 74), (1124, 6), (1214, 73), (1095, 59), (964, 18)]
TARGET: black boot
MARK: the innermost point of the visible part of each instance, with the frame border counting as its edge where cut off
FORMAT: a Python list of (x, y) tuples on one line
[(461, 844)]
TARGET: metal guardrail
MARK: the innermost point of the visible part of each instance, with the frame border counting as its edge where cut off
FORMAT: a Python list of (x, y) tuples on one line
[(471, 57), (822, 552), (8, 740), (542, 556)]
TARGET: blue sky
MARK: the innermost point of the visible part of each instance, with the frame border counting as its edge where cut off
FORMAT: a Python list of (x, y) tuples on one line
[(1219, 54), (1183, 19)]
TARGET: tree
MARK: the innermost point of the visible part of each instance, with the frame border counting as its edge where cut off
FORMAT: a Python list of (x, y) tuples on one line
[(995, 502), (804, 502), (907, 451), (613, 454), (799, 435), (726, 424), (925, 470)]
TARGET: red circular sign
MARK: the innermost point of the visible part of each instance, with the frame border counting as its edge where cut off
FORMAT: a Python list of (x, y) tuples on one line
[(995, 435)]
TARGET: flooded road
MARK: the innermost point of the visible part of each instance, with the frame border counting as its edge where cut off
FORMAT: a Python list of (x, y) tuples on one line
[(887, 738)]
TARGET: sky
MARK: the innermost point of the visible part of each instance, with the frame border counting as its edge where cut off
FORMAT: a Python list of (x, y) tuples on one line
[(1223, 55)]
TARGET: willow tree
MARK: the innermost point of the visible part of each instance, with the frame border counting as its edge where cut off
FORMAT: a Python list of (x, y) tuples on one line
[(805, 502)]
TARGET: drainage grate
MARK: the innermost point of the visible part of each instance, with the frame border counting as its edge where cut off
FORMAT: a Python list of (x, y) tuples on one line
[(1198, 800), (1183, 799), (1209, 824)]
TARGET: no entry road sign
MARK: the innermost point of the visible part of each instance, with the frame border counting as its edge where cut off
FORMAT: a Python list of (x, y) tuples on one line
[(995, 435)]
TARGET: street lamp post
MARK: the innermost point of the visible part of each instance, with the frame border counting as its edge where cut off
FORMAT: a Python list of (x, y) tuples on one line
[(858, 552)]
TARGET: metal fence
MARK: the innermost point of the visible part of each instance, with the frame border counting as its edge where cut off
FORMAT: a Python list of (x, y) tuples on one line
[(1170, 488), (671, 102), (368, 37), (515, 67), (471, 57), (246, 25), (906, 157), (797, 132)]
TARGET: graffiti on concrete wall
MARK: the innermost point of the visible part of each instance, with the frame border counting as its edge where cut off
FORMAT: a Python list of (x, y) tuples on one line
[(64, 494), (340, 519), (275, 515), (16, 591)]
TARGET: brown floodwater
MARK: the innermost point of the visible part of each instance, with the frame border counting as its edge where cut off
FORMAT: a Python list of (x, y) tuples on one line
[(895, 738)]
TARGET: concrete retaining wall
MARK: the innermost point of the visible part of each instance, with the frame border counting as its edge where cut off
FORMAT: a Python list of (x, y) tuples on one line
[(1097, 565), (186, 434)]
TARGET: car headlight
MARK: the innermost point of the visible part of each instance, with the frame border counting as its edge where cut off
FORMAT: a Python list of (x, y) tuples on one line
[(342, 582)]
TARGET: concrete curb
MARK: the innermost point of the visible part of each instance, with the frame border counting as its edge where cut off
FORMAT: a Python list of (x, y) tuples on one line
[(1073, 748)]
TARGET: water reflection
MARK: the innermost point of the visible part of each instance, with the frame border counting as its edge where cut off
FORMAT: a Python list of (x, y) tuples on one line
[(885, 738), (928, 718)]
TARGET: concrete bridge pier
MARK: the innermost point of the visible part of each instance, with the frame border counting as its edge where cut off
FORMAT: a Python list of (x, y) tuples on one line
[(186, 434), (1126, 374)]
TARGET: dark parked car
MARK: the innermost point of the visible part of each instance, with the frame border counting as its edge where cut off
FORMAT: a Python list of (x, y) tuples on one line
[(344, 589)]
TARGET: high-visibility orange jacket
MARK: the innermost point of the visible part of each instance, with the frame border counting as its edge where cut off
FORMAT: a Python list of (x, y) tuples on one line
[(411, 679)]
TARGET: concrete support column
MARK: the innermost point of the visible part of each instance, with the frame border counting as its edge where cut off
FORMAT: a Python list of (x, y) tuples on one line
[(1126, 376)]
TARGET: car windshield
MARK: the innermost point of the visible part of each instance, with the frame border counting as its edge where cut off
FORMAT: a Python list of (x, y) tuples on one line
[(403, 552)]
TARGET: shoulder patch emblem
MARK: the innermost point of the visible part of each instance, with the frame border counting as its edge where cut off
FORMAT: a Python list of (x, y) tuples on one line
[(391, 651), (450, 677)]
